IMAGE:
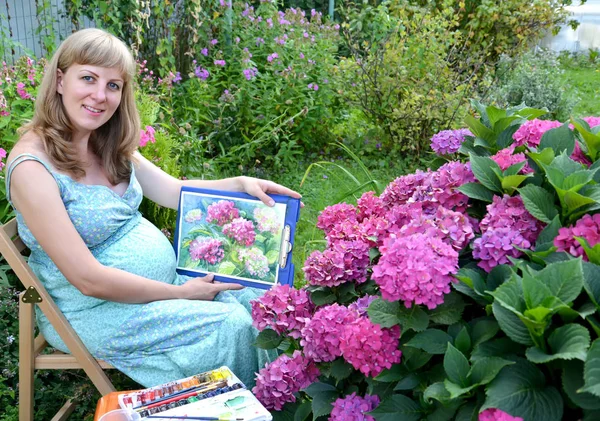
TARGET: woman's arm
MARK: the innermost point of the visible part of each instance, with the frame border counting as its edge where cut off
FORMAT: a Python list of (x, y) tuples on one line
[(36, 196), (164, 189)]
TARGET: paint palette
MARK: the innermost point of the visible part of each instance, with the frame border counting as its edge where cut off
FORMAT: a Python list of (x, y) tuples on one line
[(216, 394)]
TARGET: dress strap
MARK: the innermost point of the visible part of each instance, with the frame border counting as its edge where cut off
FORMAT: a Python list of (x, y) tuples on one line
[(18, 159)]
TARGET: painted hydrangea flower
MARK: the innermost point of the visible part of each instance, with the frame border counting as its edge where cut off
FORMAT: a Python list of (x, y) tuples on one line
[(587, 227), (494, 414), (354, 408), (221, 212), (280, 379), (283, 309), (343, 261), (505, 158), (208, 249), (241, 230), (266, 220), (321, 335), (369, 348), (255, 262), (415, 269), (448, 142), (531, 132), (334, 215), (193, 216)]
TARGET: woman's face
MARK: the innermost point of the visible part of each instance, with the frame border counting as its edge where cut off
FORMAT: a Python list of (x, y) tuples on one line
[(90, 95)]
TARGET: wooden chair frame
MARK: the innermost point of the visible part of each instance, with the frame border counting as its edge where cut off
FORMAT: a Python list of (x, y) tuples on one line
[(30, 348)]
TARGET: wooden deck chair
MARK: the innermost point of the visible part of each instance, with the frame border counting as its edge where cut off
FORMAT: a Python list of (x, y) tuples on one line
[(30, 357)]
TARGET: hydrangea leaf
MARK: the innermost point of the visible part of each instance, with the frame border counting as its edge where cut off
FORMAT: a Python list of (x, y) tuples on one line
[(510, 324), (381, 389), (433, 341), (413, 358), (539, 202), (484, 370), (302, 412), (463, 341), (397, 407), (413, 318), (572, 380), (564, 279), (534, 291), (566, 343), (566, 165), (450, 311), (393, 374), (477, 191), (468, 412), (591, 281), (514, 169), (531, 113), (495, 114), (483, 169), (545, 157), (560, 139), (497, 276), (226, 268), (409, 382), (438, 392), (287, 413), (479, 129), (592, 253), (456, 366), (444, 412), (322, 296), (511, 182), (502, 347), (578, 179), (268, 339), (455, 390), (484, 330), (384, 313), (521, 390), (505, 138), (591, 370), (591, 140), (340, 369), (574, 201), (510, 296), (322, 403), (546, 238)]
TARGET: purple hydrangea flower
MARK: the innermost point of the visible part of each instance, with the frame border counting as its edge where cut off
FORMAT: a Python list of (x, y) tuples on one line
[(448, 142), (354, 408)]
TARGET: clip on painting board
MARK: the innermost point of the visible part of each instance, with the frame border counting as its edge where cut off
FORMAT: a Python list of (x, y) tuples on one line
[(236, 237)]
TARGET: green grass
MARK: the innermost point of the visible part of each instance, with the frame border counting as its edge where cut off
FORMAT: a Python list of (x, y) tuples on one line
[(584, 83)]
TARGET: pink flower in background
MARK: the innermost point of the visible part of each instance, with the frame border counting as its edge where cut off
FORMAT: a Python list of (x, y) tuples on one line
[(530, 133), (221, 212), (241, 230), (221, 63), (354, 408), (416, 269), (505, 158), (334, 215), (266, 220), (193, 216), (344, 261), (493, 414), (284, 309), (592, 121), (280, 379), (208, 249), (2, 156), (255, 262), (369, 348), (147, 136), (587, 227), (321, 335), (272, 57), (21, 91), (448, 142)]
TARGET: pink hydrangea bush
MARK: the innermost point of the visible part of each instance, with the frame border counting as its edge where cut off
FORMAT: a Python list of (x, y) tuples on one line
[(494, 414), (221, 212), (343, 261), (531, 132), (587, 227), (506, 158), (354, 408)]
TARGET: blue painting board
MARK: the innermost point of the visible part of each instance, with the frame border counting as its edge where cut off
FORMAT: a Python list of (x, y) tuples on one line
[(236, 237)]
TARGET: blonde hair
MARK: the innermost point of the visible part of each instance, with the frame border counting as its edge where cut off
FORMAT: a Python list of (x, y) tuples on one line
[(116, 140)]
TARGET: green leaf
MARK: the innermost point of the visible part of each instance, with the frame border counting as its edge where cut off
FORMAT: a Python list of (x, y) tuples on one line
[(572, 379), (566, 165), (564, 279), (574, 201), (484, 370), (591, 281), (483, 169), (468, 412), (413, 358), (413, 318), (505, 138), (549, 233), (340, 369), (591, 370), (456, 366), (463, 341), (383, 312), (484, 330), (511, 182), (545, 157), (303, 411), (322, 297), (322, 395), (578, 179), (438, 392), (559, 139), (534, 291), (494, 114), (479, 130), (443, 412), (226, 268), (514, 169), (433, 341), (268, 339), (477, 191), (409, 382), (510, 324), (539, 202), (566, 343), (396, 408), (450, 311), (393, 374), (455, 390), (287, 413), (592, 253), (522, 391), (591, 140)]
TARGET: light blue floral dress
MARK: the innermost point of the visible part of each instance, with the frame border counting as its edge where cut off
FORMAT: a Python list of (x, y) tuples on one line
[(152, 343)]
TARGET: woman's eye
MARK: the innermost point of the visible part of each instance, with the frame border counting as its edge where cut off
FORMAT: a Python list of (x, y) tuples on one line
[(114, 86), (87, 78)]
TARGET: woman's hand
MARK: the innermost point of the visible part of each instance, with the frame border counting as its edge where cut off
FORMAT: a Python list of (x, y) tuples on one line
[(205, 288), (259, 188)]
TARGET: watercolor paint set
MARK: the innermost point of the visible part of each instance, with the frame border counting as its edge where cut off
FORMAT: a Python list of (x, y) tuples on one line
[(213, 395)]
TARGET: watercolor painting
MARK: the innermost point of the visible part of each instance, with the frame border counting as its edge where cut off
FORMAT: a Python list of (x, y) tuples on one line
[(237, 238)]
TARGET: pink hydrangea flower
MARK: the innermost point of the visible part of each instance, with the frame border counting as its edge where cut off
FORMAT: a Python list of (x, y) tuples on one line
[(343, 261), (362, 304), (369, 348), (208, 249), (495, 246), (445, 182), (592, 121), (493, 414), (222, 212), (333, 215), (321, 335), (579, 156), (255, 262), (448, 141), (415, 269), (283, 309), (505, 158), (587, 227), (369, 205), (399, 191), (266, 220), (354, 408), (147, 136), (193, 216), (374, 230), (280, 379), (531, 132), (241, 230)]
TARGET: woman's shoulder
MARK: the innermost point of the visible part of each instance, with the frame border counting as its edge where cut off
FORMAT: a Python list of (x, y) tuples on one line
[(29, 143)]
